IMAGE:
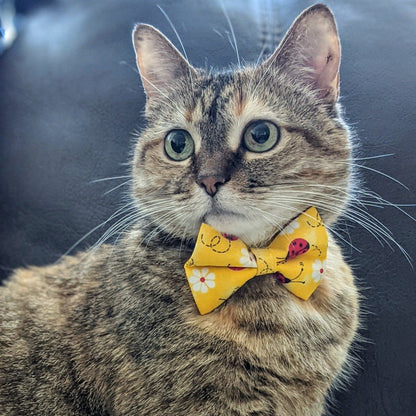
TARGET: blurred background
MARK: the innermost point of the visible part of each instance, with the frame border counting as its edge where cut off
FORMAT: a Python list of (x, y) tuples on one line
[(71, 98)]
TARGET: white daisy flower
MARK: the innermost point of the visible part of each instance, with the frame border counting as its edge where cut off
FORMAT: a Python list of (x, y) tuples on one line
[(247, 259), (318, 270), (290, 228), (202, 280)]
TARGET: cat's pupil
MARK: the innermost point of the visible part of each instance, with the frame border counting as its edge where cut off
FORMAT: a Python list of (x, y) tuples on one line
[(260, 133), (178, 142)]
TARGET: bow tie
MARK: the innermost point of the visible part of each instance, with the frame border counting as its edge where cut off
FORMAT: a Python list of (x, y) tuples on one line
[(220, 264)]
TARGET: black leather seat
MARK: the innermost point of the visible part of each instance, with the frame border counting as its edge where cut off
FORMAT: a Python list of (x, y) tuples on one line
[(71, 98)]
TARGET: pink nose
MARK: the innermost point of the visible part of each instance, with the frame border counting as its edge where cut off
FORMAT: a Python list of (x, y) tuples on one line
[(211, 183)]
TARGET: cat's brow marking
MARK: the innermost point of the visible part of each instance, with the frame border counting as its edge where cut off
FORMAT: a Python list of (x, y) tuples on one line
[(240, 103), (188, 114)]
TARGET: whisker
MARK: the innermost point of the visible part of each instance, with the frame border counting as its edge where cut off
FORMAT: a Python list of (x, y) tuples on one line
[(284, 206), (114, 215), (109, 179), (156, 231), (118, 186), (177, 35), (232, 31), (170, 101), (127, 220), (261, 54), (135, 70), (230, 41), (374, 157), (379, 204), (351, 163), (111, 231), (359, 216), (251, 92), (218, 33)]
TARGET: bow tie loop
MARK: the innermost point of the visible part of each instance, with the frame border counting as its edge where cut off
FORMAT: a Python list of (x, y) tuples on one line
[(220, 264)]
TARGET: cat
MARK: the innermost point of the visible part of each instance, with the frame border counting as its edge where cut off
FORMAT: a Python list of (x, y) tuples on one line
[(115, 331)]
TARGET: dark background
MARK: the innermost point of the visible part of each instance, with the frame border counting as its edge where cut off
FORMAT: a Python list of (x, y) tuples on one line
[(70, 99)]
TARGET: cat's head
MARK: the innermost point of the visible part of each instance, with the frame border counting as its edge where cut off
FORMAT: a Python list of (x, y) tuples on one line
[(244, 151)]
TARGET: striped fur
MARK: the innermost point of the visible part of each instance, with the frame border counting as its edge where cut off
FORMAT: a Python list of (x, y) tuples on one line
[(114, 330)]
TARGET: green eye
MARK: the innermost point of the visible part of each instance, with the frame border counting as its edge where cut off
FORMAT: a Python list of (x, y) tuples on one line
[(179, 145), (261, 136)]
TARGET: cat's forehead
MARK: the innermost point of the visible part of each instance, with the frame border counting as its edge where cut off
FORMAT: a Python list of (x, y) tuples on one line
[(220, 84), (213, 107), (213, 95), (226, 97)]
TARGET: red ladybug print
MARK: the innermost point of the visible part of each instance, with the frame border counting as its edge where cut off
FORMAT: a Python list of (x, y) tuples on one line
[(297, 247), (229, 237), (280, 278), (236, 269)]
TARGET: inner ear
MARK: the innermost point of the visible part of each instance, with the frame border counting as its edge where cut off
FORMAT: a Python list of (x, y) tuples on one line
[(160, 63), (310, 51)]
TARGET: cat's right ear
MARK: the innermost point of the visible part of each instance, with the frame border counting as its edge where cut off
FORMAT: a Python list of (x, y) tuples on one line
[(159, 62), (310, 52)]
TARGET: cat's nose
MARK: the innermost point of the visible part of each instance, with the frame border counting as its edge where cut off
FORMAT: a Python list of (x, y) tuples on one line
[(211, 183)]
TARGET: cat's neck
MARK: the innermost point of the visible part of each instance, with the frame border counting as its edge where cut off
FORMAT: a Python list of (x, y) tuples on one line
[(151, 235)]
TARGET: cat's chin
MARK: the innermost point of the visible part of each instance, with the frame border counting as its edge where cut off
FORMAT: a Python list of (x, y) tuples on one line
[(238, 225)]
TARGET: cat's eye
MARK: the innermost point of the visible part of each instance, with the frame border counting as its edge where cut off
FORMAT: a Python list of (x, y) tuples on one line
[(179, 145), (261, 136)]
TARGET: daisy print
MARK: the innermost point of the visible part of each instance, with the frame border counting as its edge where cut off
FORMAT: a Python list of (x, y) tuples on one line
[(202, 280), (247, 259), (318, 270), (290, 228)]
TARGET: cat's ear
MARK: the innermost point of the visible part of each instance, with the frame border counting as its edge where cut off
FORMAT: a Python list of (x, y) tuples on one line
[(159, 62), (310, 51)]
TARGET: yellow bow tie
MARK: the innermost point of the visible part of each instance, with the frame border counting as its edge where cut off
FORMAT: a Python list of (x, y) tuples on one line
[(221, 264)]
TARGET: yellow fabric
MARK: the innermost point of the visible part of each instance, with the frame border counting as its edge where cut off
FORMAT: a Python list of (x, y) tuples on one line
[(221, 264)]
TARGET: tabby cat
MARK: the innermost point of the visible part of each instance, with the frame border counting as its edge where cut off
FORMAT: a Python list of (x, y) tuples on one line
[(115, 331)]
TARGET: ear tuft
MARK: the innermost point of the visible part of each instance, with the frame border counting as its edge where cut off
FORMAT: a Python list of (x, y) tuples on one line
[(310, 51), (160, 63)]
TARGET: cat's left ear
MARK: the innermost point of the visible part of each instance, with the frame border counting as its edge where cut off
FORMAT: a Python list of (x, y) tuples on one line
[(310, 52), (159, 62)]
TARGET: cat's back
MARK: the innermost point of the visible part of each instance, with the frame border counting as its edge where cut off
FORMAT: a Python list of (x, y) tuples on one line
[(35, 295), (35, 358)]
